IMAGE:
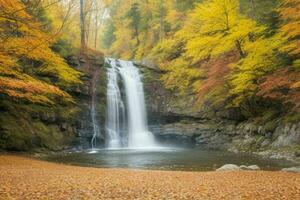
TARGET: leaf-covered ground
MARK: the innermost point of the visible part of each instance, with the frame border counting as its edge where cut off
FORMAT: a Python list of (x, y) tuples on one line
[(25, 178)]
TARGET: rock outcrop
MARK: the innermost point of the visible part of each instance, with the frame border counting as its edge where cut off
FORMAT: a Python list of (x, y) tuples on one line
[(229, 167), (292, 169), (233, 167), (31, 127), (181, 119)]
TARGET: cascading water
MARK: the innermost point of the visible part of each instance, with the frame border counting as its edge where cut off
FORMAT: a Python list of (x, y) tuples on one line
[(115, 107), (138, 134), (96, 129)]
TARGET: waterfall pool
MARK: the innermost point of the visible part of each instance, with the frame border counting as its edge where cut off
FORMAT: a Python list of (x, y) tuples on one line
[(164, 159), (126, 126)]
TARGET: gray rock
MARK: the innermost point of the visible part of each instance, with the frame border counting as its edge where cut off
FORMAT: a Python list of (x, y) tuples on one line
[(243, 167), (147, 63), (286, 135), (229, 167), (63, 126), (266, 143), (297, 153), (82, 60), (292, 169), (251, 167)]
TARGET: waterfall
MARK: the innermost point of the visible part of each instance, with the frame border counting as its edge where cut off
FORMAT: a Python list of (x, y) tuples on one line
[(115, 107), (138, 135), (96, 129)]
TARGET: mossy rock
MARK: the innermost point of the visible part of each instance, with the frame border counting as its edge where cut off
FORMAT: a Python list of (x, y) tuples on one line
[(22, 127)]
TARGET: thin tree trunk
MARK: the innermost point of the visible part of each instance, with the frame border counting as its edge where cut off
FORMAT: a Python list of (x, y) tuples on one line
[(82, 25), (161, 31), (253, 9), (137, 37), (96, 30), (88, 28), (239, 48)]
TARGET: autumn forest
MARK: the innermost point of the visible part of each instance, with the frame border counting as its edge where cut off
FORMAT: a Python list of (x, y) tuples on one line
[(167, 85), (225, 52)]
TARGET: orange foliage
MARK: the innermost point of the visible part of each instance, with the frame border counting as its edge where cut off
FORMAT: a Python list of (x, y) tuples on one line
[(290, 13), (281, 86), (94, 52), (22, 86), (216, 71)]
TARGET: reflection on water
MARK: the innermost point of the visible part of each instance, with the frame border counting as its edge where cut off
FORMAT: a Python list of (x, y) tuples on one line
[(164, 159)]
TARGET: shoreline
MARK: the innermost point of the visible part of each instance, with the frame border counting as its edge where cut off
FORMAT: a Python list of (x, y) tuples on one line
[(42, 155), (282, 159), (22, 177)]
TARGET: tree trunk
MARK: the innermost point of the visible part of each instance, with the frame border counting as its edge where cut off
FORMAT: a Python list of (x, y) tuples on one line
[(87, 30), (82, 25), (239, 48), (253, 9), (161, 21), (96, 30), (137, 37)]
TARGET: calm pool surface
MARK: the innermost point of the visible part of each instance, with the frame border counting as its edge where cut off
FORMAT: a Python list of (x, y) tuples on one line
[(164, 159)]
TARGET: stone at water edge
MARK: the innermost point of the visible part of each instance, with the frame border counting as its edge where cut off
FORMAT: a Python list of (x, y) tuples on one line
[(253, 167), (292, 169), (232, 167), (243, 167), (250, 167), (229, 167)]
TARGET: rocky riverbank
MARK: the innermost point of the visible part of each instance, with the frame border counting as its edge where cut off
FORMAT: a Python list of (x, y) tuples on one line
[(25, 178), (181, 120), (282, 143)]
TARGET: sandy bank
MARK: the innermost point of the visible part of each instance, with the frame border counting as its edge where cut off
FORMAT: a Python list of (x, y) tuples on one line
[(25, 178)]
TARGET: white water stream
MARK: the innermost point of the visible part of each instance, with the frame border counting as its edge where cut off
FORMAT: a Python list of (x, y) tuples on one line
[(138, 135), (115, 107), (96, 129)]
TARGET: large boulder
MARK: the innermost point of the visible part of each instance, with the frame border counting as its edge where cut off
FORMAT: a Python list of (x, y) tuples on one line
[(232, 167)]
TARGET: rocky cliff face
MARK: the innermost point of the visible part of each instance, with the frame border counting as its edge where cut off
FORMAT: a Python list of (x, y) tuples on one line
[(26, 127), (29, 127), (180, 120), (283, 142), (94, 87)]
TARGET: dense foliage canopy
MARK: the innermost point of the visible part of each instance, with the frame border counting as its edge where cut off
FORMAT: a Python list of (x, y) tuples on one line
[(29, 68), (226, 52)]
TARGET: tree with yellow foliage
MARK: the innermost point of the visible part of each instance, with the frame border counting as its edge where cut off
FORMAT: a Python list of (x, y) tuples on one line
[(189, 39), (25, 53), (214, 28), (151, 20)]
